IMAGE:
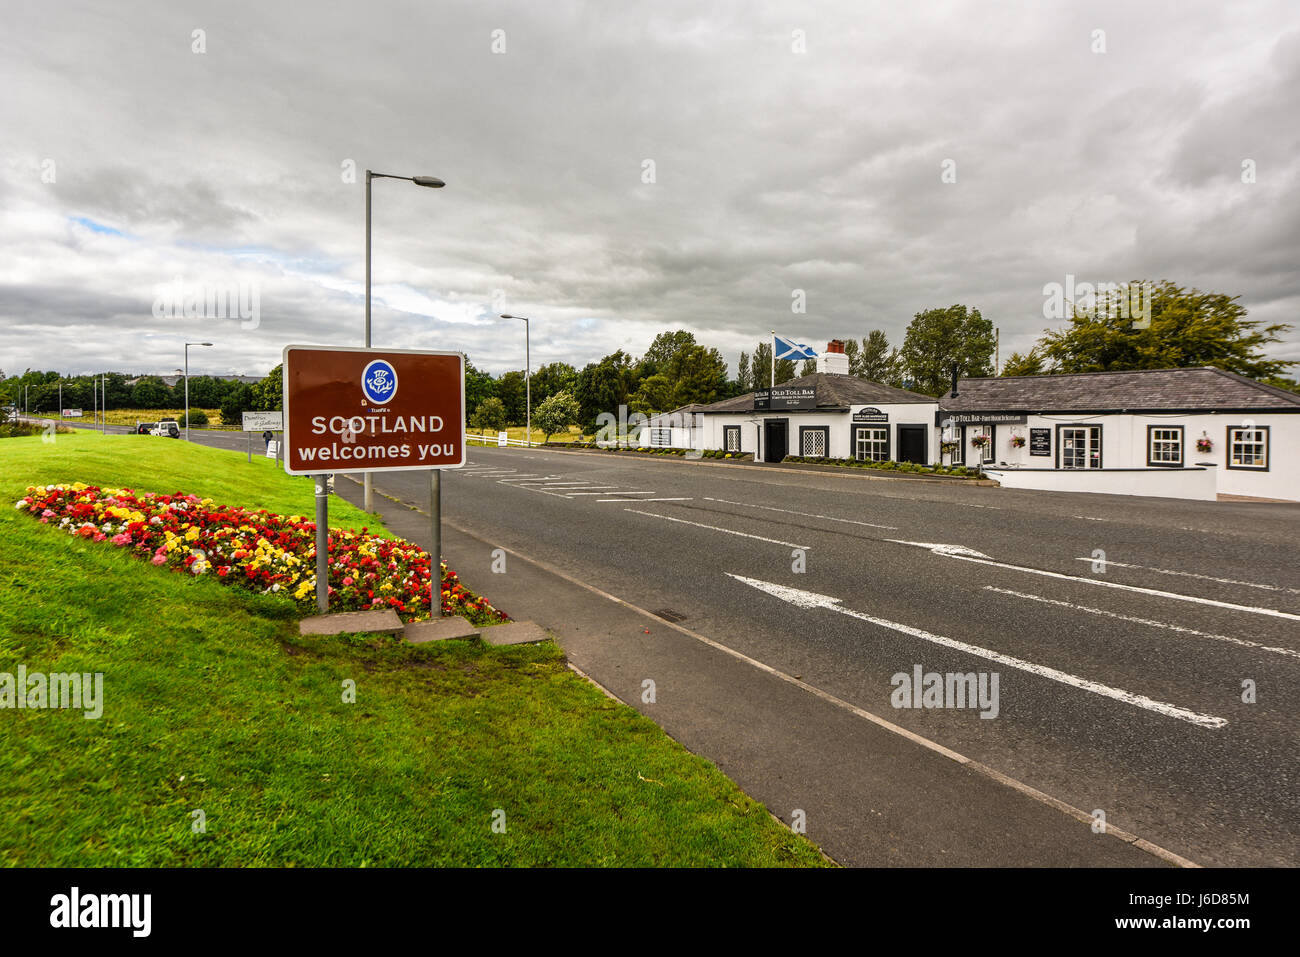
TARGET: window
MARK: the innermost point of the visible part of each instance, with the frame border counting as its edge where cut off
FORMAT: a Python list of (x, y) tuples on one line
[(813, 440), (958, 438), (871, 444), (731, 438), (1248, 448), (661, 438), (1165, 445), (987, 453), (1079, 446)]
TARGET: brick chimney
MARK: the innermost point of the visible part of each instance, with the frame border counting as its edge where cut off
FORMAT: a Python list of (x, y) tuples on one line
[(834, 360)]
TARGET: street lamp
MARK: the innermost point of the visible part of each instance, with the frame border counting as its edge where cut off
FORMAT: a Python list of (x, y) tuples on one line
[(187, 384), (528, 377), (433, 183)]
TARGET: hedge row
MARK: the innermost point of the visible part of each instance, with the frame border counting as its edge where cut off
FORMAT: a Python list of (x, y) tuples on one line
[(891, 466)]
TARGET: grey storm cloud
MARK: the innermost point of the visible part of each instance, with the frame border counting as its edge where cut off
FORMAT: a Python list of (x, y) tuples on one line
[(794, 147)]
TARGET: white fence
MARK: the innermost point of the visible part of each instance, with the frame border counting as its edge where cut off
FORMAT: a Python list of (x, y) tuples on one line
[(500, 440)]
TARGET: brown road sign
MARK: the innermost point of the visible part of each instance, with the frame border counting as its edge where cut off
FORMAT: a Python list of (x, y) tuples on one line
[(372, 410)]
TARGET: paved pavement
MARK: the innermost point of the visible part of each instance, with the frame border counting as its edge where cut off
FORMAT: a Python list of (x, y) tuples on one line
[(780, 605)]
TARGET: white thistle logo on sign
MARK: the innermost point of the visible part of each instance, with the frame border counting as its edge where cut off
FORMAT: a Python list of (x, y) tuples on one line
[(379, 382)]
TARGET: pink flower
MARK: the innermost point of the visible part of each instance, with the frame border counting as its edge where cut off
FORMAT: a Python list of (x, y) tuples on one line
[(121, 539), (347, 581), (47, 514)]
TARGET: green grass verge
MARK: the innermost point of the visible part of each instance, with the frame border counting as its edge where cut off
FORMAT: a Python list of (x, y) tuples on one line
[(213, 703)]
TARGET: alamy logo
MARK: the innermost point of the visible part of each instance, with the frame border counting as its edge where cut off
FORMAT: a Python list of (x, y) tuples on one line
[(379, 382), (103, 910), (84, 692), (951, 690)]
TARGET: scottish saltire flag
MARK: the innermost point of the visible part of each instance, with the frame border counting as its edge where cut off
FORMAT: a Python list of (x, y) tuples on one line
[(789, 349)]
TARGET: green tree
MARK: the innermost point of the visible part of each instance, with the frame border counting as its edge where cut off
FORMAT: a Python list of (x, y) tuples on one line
[(151, 393), (663, 350), (552, 378), (874, 359), (699, 374), (510, 389), (268, 394), (939, 339), (603, 386), (1185, 328), (808, 368), (1031, 363), (479, 385), (489, 415), (556, 413), (238, 401), (742, 373), (654, 394), (205, 392)]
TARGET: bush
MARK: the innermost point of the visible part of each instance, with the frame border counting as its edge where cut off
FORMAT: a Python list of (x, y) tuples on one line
[(197, 418)]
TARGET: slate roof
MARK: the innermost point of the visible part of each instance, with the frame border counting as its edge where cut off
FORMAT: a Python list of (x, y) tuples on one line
[(1204, 388), (833, 392)]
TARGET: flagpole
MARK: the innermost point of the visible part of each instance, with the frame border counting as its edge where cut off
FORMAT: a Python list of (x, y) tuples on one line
[(772, 367)]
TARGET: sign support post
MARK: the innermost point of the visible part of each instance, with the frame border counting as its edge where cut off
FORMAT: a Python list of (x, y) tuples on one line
[(250, 447), (322, 543), (435, 552)]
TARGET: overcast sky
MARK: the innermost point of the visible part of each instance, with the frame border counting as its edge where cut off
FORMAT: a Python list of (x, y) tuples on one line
[(794, 146)]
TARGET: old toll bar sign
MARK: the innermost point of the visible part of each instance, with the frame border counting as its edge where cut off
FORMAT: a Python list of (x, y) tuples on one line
[(372, 410)]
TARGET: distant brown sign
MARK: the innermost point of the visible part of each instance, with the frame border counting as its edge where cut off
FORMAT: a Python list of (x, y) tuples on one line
[(372, 410)]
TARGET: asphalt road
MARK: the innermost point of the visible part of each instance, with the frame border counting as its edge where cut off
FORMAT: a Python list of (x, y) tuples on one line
[(1192, 767), (1123, 631)]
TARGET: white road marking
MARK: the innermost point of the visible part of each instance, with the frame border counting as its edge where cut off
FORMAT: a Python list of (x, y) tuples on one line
[(643, 500), (773, 508), (960, 553), (715, 528), (807, 599), (1077, 814), (1208, 578), (941, 549), (595, 490), (1145, 621)]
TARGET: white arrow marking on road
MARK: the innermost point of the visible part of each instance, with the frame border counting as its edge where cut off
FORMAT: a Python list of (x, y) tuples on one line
[(969, 555), (941, 549), (808, 599)]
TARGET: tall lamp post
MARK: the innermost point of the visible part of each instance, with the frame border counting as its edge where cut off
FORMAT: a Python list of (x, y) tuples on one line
[(187, 384), (528, 378), (433, 183)]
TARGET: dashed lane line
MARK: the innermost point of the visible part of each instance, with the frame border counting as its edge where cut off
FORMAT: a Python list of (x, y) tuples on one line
[(715, 528), (1291, 653)]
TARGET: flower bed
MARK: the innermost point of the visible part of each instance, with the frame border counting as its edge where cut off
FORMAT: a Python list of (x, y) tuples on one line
[(954, 470), (260, 550), (649, 450)]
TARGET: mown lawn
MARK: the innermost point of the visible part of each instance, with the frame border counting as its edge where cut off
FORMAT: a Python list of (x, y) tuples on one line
[(214, 704)]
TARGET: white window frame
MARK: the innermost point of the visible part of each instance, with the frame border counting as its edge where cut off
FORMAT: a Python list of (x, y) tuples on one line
[(1259, 439), (875, 440), (1165, 446), (730, 433), (661, 438)]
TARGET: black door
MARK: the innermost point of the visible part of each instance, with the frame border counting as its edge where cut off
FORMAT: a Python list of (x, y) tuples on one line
[(776, 441), (911, 444)]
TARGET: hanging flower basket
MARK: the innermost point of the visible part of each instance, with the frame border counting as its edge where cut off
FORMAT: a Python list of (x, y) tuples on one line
[(1017, 441), (1204, 445), (947, 448), (980, 441)]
